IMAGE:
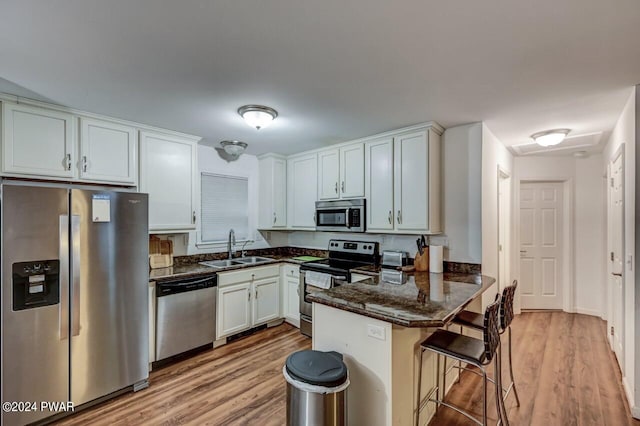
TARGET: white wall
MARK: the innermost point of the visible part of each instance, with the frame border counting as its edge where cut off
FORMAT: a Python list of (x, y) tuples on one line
[(320, 240), (462, 192), (625, 133), (247, 165), (587, 200), (494, 155)]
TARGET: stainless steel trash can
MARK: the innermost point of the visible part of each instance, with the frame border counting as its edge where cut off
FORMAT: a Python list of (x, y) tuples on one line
[(316, 388)]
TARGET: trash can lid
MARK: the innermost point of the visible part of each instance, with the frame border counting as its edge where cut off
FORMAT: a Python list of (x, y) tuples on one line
[(317, 368)]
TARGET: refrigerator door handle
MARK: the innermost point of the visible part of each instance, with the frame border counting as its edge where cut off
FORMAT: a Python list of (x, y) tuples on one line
[(75, 281), (63, 254)]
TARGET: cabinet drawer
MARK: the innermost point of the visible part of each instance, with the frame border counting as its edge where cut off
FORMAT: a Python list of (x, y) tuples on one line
[(249, 274), (289, 270)]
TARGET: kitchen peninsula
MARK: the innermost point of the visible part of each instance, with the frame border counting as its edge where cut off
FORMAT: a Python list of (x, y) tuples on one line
[(378, 325)]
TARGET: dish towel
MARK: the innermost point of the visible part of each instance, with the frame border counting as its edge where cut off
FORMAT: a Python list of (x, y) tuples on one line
[(318, 279)]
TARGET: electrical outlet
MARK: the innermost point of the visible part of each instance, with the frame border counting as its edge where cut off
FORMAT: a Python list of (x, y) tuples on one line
[(376, 332)]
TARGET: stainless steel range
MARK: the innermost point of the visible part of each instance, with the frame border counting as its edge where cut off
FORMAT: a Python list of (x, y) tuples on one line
[(322, 274)]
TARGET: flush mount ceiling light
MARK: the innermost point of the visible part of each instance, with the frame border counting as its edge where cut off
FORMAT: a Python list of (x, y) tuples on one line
[(233, 148), (550, 137), (258, 116)]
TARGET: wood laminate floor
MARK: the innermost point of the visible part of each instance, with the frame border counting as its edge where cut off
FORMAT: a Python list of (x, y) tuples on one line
[(565, 375), (565, 372)]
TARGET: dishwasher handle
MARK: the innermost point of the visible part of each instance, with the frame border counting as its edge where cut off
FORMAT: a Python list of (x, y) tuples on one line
[(175, 287)]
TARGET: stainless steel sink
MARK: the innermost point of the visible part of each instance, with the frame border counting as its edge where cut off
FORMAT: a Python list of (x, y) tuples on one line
[(223, 263), (254, 259)]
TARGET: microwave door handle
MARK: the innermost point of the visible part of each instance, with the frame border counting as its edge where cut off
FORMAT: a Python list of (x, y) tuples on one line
[(348, 221)]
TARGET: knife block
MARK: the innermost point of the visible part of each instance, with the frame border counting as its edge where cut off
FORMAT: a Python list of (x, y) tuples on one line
[(421, 262)]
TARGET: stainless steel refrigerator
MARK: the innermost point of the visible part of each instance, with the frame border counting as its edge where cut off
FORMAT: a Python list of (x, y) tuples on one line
[(74, 295)]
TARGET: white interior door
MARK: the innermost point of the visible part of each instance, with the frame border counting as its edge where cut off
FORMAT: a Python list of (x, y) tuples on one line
[(616, 223), (541, 251)]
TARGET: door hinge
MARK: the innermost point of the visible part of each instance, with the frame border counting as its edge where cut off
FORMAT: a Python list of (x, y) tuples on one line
[(612, 256), (611, 182), (612, 331)]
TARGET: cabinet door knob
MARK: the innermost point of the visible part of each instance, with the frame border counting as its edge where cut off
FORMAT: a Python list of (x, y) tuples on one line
[(248, 294), (399, 217), (274, 217), (68, 159), (336, 187), (390, 217), (193, 217), (256, 293), (342, 186), (84, 163)]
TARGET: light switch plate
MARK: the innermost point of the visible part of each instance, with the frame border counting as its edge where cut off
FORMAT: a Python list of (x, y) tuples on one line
[(376, 332)]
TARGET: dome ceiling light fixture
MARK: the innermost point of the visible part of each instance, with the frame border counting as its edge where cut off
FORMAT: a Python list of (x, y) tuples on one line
[(258, 116), (234, 148), (550, 137)]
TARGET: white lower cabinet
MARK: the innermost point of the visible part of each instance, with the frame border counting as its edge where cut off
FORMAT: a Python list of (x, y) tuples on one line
[(290, 278), (266, 306), (247, 298), (234, 309)]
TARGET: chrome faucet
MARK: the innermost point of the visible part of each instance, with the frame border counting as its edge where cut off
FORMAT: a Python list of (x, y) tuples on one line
[(231, 242), (242, 250)]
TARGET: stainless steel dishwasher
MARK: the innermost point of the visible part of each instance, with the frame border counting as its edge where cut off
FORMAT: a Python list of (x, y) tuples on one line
[(185, 314)]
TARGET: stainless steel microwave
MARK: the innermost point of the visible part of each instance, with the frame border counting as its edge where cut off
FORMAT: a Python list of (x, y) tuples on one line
[(341, 215)]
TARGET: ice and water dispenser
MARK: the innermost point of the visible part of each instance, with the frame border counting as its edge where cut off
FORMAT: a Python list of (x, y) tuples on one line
[(36, 284)]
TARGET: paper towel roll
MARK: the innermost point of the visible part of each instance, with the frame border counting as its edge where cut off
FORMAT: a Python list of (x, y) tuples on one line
[(436, 287), (435, 259)]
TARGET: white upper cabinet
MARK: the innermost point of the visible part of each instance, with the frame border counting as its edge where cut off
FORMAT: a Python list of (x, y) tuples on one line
[(328, 174), (402, 175), (108, 152), (302, 185), (379, 184), (273, 192), (168, 173), (38, 142), (341, 172), (411, 183), (352, 171)]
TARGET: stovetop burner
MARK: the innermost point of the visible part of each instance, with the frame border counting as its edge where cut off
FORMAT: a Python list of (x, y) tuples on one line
[(344, 256)]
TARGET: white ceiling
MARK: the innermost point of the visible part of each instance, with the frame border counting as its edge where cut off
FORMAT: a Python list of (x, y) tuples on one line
[(334, 69)]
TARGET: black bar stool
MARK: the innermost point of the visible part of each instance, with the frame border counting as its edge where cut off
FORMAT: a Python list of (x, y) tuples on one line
[(475, 321), (479, 353)]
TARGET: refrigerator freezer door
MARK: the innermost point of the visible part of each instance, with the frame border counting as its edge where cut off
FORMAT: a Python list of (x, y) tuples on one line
[(109, 293), (35, 342)]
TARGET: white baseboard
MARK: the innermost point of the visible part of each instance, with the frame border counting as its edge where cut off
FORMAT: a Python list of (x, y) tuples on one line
[(592, 312), (628, 390)]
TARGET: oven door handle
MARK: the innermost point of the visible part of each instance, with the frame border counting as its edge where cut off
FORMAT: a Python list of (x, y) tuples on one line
[(348, 221)]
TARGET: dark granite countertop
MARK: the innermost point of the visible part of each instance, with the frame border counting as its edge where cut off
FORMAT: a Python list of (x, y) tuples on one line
[(196, 269), (419, 299), (464, 268)]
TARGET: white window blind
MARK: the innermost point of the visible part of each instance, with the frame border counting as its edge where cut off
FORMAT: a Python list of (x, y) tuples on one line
[(224, 206)]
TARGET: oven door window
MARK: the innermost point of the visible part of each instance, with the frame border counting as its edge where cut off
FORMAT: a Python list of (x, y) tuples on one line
[(332, 217)]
